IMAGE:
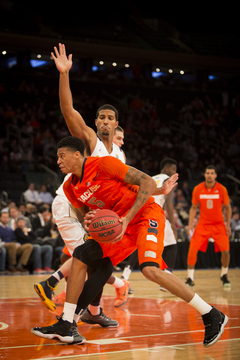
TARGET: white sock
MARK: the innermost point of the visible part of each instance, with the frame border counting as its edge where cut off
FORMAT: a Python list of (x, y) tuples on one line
[(118, 283), (200, 305), (126, 272), (191, 274), (56, 275), (94, 310), (76, 317), (224, 271), (69, 311)]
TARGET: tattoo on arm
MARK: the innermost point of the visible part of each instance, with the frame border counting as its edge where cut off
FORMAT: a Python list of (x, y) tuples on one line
[(134, 176)]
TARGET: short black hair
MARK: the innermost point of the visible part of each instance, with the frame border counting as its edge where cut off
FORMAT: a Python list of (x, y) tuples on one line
[(107, 107), (73, 143), (167, 161), (211, 167)]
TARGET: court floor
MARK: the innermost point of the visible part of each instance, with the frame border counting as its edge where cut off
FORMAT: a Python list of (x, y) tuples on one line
[(152, 324)]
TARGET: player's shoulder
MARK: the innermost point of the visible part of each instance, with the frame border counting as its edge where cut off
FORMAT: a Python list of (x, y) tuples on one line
[(220, 186), (199, 188)]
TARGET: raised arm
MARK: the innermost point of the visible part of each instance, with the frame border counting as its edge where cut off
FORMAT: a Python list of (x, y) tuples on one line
[(73, 118)]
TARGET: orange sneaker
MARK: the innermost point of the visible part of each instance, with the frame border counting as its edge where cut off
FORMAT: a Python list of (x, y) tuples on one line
[(122, 294), (60, 299)]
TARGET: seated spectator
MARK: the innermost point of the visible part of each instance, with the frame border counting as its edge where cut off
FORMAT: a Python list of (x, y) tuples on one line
[(40, 222), (14, 250), (177, 220), (195, 222), (42, 253), (13, 215), (45, 195), (235, 222), (179, 199), (182, 213), (3, 254), (31, 195)]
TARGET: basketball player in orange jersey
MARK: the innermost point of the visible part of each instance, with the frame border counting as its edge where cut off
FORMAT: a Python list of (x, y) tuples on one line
[(107, 183), (210, 196)]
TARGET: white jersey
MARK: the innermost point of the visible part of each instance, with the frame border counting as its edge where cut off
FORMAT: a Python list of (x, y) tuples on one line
[(160, 178), (169, 238)]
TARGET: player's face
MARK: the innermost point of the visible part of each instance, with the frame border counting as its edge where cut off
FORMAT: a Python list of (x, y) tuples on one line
[(118, 138), (171, 170), (66, 160), (106, 122), (210, 176)]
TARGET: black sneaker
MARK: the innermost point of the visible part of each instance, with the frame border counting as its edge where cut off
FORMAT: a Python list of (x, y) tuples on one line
[(214, 322), (100, 319), (62, 331), (226, 282), (78, 338), (189, 282)]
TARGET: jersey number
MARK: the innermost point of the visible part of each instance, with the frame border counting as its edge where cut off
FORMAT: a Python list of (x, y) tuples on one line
[(209, 204), (96, 202)]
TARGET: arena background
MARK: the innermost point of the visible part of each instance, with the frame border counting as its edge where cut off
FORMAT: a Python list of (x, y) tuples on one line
[(173, 74)]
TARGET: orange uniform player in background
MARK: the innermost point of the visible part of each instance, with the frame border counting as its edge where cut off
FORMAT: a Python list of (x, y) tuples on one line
[(210, 196)]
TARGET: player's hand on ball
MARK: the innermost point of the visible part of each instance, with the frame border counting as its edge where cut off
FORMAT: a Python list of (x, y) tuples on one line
[(88, 218), (125, 223)]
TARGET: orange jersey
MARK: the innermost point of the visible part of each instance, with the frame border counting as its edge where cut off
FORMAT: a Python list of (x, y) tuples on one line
[(101, 186), (210, 202)]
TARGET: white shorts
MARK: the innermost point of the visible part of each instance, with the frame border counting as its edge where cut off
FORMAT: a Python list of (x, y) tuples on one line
[(67, 222), (169, 238)]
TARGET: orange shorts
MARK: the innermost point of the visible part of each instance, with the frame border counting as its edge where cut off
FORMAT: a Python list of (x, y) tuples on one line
[(65, 251), (145, 233), (203, 232)]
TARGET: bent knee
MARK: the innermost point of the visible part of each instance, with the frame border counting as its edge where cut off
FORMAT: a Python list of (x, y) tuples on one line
[(151, 272)]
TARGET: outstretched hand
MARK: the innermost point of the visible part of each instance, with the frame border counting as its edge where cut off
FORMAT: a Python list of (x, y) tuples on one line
[(62, 62), (169, 184)]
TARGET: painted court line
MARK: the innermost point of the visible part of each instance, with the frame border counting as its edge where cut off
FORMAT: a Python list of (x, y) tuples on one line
[(123, 338), (127, 351)]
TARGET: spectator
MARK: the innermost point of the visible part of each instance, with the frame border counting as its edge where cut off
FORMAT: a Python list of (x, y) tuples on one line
[(45, 195), (14, 250), (42, 254), (31, 195), (3, 254), (235, 222), (13, 215)]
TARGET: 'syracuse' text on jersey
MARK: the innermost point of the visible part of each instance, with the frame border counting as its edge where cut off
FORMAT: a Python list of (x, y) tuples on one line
[(210, 202), (89, 190)]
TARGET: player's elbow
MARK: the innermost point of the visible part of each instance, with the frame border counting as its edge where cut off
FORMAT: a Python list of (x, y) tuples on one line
[(151, 184)]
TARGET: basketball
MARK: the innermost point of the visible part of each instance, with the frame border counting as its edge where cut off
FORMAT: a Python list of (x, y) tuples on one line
[(105, 226)]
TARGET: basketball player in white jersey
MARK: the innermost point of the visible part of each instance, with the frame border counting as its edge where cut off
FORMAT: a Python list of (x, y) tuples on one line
[(168, 167)]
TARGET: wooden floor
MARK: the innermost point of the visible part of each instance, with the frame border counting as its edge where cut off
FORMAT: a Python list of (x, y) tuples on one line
[(152, 324)]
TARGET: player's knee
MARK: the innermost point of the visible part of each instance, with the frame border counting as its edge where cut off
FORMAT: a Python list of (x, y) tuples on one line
[(150, 270), (64, 257), (88, 252)]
